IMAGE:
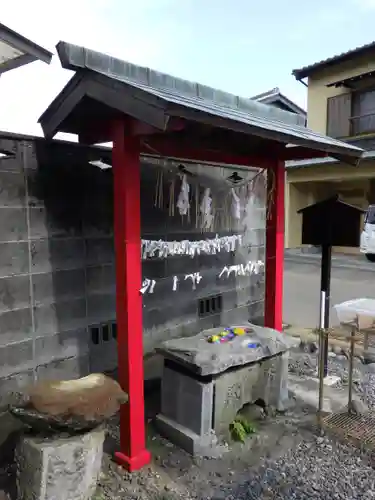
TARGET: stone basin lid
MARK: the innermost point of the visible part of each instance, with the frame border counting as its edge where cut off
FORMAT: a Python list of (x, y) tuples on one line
[(200, 356)]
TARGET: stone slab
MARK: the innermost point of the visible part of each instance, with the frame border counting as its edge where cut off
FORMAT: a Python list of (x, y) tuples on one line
[(232, 391), (204, 446), (187, 401), (204, 358), (59, 469)]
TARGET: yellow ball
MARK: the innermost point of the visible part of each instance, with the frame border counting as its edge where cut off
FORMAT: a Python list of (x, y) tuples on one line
[(239, 331)]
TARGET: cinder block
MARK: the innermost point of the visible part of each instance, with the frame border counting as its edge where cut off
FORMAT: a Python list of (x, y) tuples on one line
[(14, 293), (72, 344), (64, 369), (14, 258), (15, 326), (59, 469), (13, 224), (54, 222), (60, 317), (12, 193), (100, 251), (101, 279), (57, 254), (101, 307), (58, 286), (16, 357), (10, 385), (98, 220)]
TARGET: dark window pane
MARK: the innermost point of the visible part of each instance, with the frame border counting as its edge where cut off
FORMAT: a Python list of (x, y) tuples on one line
[(95, 335), (105, 333), (363, 112), (114, 330)]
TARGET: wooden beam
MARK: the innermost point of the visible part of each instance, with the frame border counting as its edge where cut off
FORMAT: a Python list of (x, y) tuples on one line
[(127, 232), (300, 153), (62, 106), (273, 313), (167, 147), (101, 131)]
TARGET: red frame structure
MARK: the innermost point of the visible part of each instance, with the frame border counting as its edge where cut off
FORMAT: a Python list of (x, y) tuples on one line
[(127, 230), (103, 102)]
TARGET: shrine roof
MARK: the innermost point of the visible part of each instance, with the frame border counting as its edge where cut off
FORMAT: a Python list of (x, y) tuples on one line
[(107, 87), (16, 50)]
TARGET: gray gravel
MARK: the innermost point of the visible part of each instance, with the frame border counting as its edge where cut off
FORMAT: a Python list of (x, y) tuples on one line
[(286, 459), (320, 469)]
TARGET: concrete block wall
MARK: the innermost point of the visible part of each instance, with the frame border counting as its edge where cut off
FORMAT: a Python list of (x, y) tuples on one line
[(57, 275)]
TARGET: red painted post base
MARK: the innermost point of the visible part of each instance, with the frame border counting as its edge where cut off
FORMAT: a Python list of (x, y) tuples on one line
[(131, 464)]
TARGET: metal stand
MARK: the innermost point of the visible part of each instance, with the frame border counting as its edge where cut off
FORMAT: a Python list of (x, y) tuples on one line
[(348, 424), (325, 292), (351, 366), (323, 339)]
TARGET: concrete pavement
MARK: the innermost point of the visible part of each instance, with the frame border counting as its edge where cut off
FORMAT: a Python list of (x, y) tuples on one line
[(351, 279), (339, 260)]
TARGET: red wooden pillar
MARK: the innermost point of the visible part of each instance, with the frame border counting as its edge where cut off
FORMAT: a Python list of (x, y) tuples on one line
[(273, 314), (127, 232)]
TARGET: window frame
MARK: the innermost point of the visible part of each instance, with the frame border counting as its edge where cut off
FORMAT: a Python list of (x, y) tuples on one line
[(355, 94)]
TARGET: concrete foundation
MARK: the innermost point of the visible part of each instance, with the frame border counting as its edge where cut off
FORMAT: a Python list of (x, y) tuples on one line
[(59, 469)]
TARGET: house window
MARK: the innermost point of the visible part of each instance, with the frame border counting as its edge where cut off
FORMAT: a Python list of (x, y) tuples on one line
[(351, 114), (363, 112)]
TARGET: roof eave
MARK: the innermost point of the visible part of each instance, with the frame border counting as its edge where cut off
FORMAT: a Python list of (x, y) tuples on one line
[(309, 70), (31, 51), (78, 59)]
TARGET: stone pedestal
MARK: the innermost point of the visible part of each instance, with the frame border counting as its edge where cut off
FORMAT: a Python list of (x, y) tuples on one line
[(204, 385), (59, 469), (186, 412)]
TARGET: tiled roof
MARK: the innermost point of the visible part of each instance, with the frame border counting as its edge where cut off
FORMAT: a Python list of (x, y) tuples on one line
[(185, 99), (344, 56)]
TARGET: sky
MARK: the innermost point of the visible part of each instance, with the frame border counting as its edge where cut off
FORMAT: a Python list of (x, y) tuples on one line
[(240, 46)]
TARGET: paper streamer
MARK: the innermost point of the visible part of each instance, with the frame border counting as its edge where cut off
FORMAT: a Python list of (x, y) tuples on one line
[(252, 267), (195, 278), (163, 249), (147, 286)]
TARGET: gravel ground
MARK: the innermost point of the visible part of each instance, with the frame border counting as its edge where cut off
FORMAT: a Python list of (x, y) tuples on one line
[(315, 469), (286, 459)]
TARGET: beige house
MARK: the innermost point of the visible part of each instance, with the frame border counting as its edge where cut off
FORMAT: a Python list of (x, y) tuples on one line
[(341, 103)]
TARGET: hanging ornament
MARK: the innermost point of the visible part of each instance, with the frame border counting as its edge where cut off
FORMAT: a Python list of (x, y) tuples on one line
[(252, 267), (183, 204), (236, 206), (195, 278), (206, 209), (175, 283), (147, 286)]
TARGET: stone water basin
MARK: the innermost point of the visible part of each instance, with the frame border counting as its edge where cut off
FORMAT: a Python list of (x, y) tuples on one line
[(204, 385)]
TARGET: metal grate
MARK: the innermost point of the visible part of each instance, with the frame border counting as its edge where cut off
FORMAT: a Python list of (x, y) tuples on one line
[(359, 429), (210, 305), (103, 332)]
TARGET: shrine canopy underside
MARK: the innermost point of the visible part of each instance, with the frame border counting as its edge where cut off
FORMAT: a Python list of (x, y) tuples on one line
[(176, 118)]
